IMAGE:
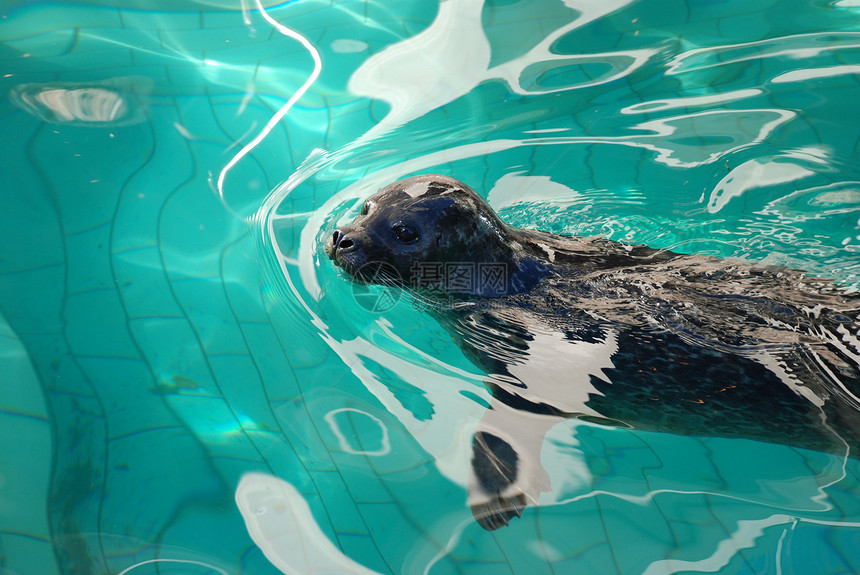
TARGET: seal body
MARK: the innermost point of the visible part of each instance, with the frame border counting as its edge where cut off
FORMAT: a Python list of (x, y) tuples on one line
[(588, 328)]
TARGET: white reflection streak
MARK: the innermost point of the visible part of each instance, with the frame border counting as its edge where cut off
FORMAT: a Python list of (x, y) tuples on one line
[(279, 521), (184, 561), (744, 538), (385, 446), (453, 541), (589, 10), (638, 58), (647, 498), (751, 175), (782, 537), (812, 47), (286, 107), (669, 104), (245, 18), (814, 73)]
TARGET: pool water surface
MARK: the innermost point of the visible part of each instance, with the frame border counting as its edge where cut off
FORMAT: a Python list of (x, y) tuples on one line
[(187, 385)]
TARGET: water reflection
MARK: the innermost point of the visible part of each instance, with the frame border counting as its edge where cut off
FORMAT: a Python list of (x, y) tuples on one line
[(816, 73), (189, 384), (428, 70), (285, 108), (280, 522), (800, 46), (689, 102), (367, 443), (114, 102), (753, 175)]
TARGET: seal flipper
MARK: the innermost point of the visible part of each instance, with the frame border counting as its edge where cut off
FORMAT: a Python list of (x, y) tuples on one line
[(498, 512), (495, 467)]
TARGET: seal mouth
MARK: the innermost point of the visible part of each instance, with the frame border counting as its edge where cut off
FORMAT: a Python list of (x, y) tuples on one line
[(346, 265), (357, 268)]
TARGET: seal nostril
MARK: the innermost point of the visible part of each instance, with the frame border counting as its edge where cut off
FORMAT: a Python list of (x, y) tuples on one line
[(340, 241)]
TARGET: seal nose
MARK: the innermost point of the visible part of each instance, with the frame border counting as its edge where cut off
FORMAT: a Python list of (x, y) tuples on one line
[(341, 242)]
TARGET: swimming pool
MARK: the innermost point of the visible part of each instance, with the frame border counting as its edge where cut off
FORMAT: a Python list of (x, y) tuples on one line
[(189, 387)]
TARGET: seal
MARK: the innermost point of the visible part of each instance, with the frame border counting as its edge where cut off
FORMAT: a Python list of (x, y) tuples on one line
[(613, 334)]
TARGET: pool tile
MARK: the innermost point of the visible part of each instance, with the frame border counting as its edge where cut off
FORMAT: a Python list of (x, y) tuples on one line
[(26, 463), (96, 324), (477, 550), (213, 19), (624, 159), (383, 518), (735, 27), (748, 468), (273, 366), (343, 514), (190, 532), (638, 534), (130, 393), (342, 508), (158, 20), (523, 535), (234, 38), (149, 459), (214, 423), (844, 541), (88, 266), (240, 383), (245, 299), (169, 344), (283, 460), (844, 493), (93, 60), (158, 58), (362, 548), (214, 322), (25, 554), (41, 289), (48, 18), (118, 38), (85, 192), (44, 44), (302, 435), (22, 394), (143, 286), (269, 163)]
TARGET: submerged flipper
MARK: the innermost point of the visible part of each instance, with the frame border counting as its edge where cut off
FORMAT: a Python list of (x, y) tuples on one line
[(495, 467)]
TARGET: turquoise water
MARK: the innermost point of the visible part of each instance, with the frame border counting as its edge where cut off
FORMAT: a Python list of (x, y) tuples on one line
[(189, 387)]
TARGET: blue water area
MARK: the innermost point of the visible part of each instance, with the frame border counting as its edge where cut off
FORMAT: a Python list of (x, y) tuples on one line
[(189, 385)]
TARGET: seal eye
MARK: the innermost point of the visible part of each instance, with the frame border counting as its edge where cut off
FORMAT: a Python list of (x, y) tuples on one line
[(404, 233), (365, 207)]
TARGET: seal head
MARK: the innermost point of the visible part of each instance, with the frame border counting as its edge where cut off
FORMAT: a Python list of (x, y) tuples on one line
[(434, 232)]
